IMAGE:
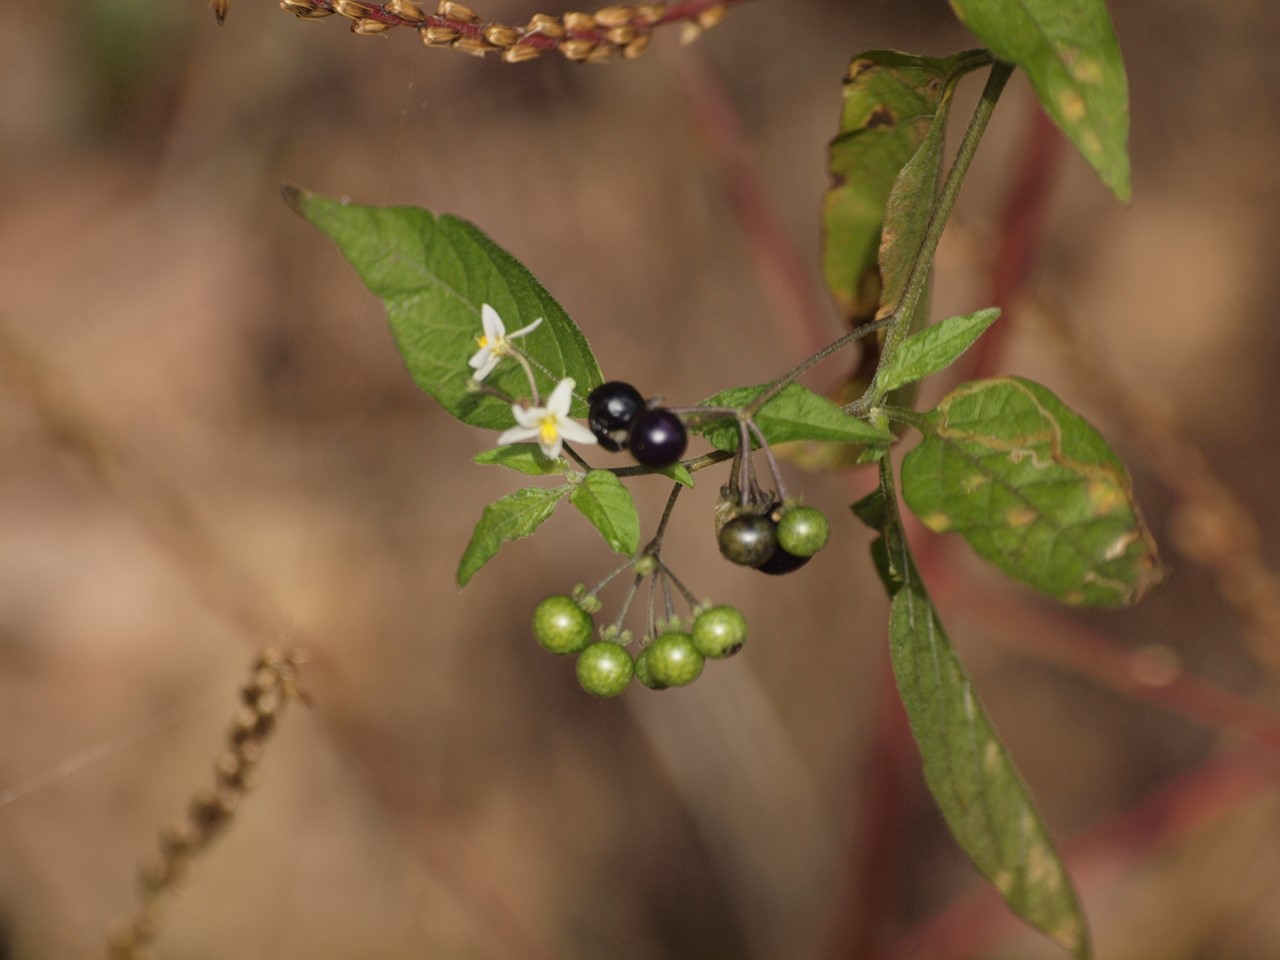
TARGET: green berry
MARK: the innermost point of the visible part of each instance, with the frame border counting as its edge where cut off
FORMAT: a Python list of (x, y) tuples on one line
[(560, 625), (673, 660), (644, 671), (803, 531), (604, 669), (719, 631)]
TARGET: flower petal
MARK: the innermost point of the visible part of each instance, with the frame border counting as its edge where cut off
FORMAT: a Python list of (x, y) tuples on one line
[(525, 330), (529, 417), (552, 450), (517, 435), (483, 361), (575, 432), (494, 328), (561, 397)]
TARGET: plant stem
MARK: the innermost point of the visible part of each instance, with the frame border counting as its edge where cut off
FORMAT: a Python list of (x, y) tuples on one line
[(775, 388), (918, 275)]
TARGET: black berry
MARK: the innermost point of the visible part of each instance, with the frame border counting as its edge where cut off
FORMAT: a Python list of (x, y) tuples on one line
[(782, 562), (612, 408), (748, 539), (657, 438)]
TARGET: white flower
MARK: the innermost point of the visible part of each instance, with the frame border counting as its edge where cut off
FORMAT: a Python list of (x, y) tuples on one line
[(494, 342), (549, 425)]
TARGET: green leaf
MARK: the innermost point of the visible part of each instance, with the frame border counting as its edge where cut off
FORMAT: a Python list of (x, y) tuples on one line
[(608, 505), (1070, 53), (794, 414), (524, 458), (432, 274), (679, 473), (934, 348), (513, 517), (968, 770), (1034, 489), (889, 102)]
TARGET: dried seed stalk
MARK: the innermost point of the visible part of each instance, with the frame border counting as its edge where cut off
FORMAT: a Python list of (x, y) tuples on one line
[(272, 683), (616, 31)]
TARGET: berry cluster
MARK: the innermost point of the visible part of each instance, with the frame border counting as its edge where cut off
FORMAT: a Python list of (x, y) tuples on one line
[(674, 657), (759, 528), (621, 419), (781, 540)]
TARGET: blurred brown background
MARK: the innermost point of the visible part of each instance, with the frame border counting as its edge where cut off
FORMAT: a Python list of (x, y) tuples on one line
[(452, 793)]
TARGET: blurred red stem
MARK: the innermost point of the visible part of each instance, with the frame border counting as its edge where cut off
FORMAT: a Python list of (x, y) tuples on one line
[(781, 270), (1020, 229), (1169, 814)]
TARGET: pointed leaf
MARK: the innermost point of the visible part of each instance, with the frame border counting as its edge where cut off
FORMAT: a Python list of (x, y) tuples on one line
[(934, 348), (889, 101), (968, 770), (1070, 53), (794, 414), (524, 458), (608, 505), (513, 517), (1034, 489), (432, 274), (679, 473)]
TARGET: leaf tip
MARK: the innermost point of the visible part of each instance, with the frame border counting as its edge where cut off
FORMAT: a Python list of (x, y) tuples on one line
[(295, 198)]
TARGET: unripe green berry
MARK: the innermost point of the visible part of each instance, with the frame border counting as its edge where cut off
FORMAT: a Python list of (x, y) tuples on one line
[(719, 631), (803, 531), (644, 672), (604, 669), (560, 625), (673, 661)]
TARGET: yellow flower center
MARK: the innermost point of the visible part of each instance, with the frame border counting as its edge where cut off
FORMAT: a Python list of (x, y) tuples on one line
[(548, 431), (482, 341)]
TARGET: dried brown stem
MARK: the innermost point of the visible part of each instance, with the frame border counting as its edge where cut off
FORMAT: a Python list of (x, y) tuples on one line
[(271, 685)]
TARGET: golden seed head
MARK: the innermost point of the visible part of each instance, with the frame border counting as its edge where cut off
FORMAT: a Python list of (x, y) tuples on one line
[(269, 703), (615, 16), (520, 53), (621, 35), (179, 838), (456, 11), (500, 36), (474, 46), (369, 28), (601, 53), (545, 25), (636, 46), (711, 16), (249, 752), (576, 49), (439, 36), (689, 32), (651, 12), (352, 10), (406, 10), (577, 22)]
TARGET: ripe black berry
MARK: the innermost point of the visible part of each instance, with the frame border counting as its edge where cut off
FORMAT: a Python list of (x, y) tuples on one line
[(657, 438), (782, 562), (612, 407), (748, 539)]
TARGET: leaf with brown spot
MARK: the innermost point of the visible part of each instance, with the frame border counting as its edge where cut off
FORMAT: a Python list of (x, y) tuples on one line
[(969, 772), (1035, 490), (1070, 53), (890, 100)]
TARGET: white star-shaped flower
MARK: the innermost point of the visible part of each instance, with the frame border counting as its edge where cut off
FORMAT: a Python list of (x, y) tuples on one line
[(495, 342), (549, 425)]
